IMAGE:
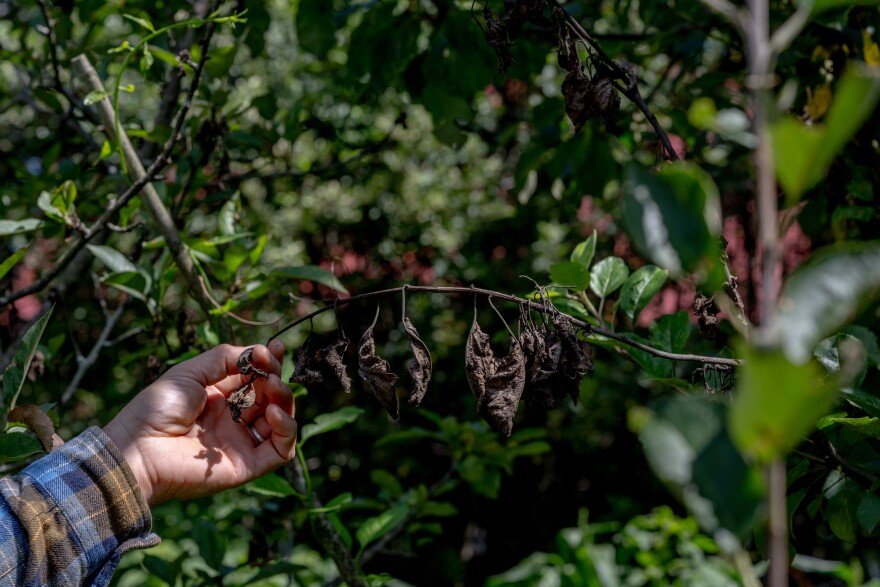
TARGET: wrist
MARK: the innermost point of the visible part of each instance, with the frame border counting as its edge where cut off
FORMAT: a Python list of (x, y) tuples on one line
[(133, 457)]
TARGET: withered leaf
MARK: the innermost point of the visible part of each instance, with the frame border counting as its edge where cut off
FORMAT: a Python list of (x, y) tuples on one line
[(420, 367), (376, 372), (325, 366), (504, 388), (576, 359), (246, 364), (305, 372), (497, 37), (543, 350), (580, 100), (331, 357), (241, 399), (706, 312), (607, 101), (37, 421), (479, 361)]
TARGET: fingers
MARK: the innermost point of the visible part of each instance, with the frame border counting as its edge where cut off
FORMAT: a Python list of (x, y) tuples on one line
[(279, 428)]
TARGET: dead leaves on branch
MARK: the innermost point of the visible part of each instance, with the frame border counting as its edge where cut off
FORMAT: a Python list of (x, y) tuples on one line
[(543, 365)]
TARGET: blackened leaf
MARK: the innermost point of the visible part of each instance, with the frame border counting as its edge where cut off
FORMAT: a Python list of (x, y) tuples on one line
[(246, 364), (479, 360), (240, 400), (304, 372), (376, 373), (576, 358), (580, 100), (329, 361), (420, 367), (542, 388), (504, 388)]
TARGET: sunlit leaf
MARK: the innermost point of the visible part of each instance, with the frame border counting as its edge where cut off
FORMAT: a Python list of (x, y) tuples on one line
[(270, 485), (583, 253), (310, 273), (570, 273), (12, 260), (141, 21), (15, 446), (12, 227), (331, 421), (113, 259), (824, 294), (608, 275), (376, 527), (639, 289), (16, 372)]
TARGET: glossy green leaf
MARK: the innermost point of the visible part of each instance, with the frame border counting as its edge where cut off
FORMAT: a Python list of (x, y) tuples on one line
[(15, 446), (310, 273), (95, 96), (639, 289), (387, 482), (776, 403), (134, 283), (687, 445), (841, 510), (825, 293), (868, 402), (607, 275), (583, 253), (332, 421), (376, 527), (141, 21), (315, 27), (570, 273), (868, 512), (16, 372), (804, 153), (868, 425), (113, 259), (13, 227), (221, 60), (270, 485), (12, 260), (674, 218)]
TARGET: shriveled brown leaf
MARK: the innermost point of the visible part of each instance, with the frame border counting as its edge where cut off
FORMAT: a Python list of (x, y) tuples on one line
[(576, 359), (241, 399), (331, 358), (37, 421), (706, 312), (420, 367), (304, 371), (607, 101), (479, 360), (542, 370), (580, 101), (504, 388), (376, 373)]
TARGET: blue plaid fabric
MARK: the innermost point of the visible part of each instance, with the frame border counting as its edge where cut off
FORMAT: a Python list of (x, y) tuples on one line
[(67, 518)]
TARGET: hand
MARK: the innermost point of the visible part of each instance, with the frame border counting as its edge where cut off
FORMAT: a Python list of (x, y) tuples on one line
[(178, 437)]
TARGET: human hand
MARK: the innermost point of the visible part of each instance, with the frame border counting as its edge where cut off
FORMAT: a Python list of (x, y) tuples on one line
[(178, 437)]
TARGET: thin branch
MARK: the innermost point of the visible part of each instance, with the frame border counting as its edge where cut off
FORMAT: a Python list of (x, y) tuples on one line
[(100, 224), (834, 460), (535, 306), (729, 12), (790, 29), (84, 364), (630, 89), (731, 286), (53, 43), (230, 314)]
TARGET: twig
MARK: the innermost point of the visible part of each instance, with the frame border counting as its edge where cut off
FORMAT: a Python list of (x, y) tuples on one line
[(324, 530), (731, 286), (630, 89), (537, 307), (730, 12), (834, 460), (53, 43), (86, 362), (230, 314), (100, 224)]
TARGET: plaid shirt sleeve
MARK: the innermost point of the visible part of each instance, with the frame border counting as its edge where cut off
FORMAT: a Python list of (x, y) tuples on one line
[(69, 517)]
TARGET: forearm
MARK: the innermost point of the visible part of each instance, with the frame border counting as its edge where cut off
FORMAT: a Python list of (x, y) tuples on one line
[(69, 517)]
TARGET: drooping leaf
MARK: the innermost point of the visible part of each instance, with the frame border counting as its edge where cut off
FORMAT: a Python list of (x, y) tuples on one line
[(639, 289), (825, 293), (324, 366), (420, 367), (776, 403), (504, 388), (479, 360), (376, 373), (15, 373), (608, 275), (328, 422)]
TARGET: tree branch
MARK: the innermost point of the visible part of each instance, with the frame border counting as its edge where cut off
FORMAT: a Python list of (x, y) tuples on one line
[(535, 306), (85, 363)]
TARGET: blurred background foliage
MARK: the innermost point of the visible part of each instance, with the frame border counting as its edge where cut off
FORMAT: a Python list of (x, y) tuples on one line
[(335, 148)]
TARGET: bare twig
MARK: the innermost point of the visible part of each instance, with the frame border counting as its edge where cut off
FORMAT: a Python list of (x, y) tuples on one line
[(534, 306), (731, 287), (730, 12), (53, 43), (230, 314), (85, 363)]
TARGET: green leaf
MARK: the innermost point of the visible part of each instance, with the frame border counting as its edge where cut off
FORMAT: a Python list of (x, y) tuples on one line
[(868, 425), (388, 482), (584, 252), (868, 513), (804, 153), (570, 273), (141, 21), (113, 259), (674, 219), (776, 403), (13, 227), (332, 421), (608, 275), (820, 6), (164, 56), (16, 371), (841, 511), (823, 294), (310, 273), (638, 290), (135, 283), (315, 27), (378, 526), (95, 96), (12, 260), (270, 485), (221, 59), (15, 446), (866, 401)]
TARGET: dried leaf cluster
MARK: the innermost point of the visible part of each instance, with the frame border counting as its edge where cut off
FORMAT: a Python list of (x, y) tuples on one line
[(245, 396), (586, 96)]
